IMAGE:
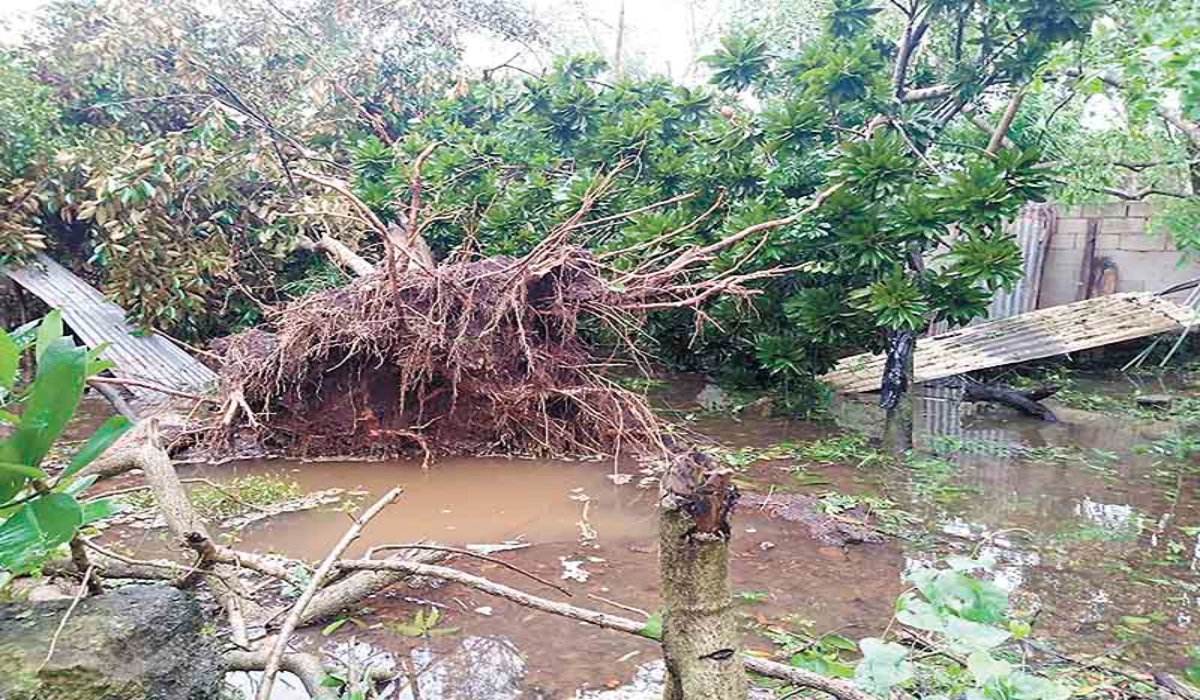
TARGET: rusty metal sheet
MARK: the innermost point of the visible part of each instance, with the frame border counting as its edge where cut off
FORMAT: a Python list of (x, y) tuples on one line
[(1058, 330)]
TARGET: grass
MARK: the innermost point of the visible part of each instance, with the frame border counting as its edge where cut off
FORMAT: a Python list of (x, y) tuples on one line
[(235, 497)]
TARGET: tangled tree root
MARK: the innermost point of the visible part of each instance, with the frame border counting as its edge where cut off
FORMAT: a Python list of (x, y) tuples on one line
[(472, 357)]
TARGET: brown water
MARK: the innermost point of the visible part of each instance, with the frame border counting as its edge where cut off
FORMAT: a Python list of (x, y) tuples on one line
[(1105, 547)]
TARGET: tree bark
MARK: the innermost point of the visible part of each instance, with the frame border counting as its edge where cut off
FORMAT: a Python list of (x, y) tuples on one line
[(700, 638), (894, 397)]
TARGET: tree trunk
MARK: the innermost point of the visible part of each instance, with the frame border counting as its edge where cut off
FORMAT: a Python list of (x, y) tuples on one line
[(894, 396), (1024, 401), (700, 638)]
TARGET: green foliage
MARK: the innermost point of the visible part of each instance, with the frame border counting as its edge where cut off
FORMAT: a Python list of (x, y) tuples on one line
[(423, 624), (967, 616), (39, 513), (29, 118), (740, 62)]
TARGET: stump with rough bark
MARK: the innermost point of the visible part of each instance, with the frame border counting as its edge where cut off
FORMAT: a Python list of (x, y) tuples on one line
[(700, 637)]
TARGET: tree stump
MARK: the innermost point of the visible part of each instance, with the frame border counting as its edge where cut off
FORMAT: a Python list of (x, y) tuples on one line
[(700, 638)]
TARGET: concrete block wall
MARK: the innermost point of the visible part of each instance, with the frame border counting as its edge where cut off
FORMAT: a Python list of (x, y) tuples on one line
[(1145, 260)]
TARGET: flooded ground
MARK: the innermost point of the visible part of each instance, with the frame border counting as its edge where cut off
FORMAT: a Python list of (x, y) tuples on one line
[(1093, 529)]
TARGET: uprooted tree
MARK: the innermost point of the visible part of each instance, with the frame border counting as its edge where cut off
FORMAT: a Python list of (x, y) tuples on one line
[(467, 355)]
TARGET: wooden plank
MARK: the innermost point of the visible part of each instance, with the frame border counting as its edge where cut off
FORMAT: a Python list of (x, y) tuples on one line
[(1058, 330), (96, 321)]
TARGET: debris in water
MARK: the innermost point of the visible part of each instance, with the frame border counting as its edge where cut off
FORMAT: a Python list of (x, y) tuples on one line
[(506, 546), (849, 527), (573, 570)]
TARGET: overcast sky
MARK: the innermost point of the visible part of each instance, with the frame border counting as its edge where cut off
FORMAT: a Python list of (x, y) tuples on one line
[(658, 36)]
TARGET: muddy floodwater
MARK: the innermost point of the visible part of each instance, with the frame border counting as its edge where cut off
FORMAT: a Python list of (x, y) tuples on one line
[(1092, 529)]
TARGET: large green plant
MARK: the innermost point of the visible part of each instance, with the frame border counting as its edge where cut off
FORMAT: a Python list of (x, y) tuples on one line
[(912, 234), (39, 512)]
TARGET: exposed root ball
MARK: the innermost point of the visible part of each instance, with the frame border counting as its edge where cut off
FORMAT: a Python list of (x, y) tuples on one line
[(466, 358)]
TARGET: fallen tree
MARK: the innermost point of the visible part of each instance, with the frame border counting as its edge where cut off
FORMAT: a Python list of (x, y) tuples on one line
[(468, 356)]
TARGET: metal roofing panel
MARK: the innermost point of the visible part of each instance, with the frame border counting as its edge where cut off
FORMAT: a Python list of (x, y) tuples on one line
[(96, 320), (1057, 330)]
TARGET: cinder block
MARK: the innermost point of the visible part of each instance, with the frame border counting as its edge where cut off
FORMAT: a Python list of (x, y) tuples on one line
[(1071, 212), (1107, 243), (1142, 242), (1142, 209), (1123, 225), (1116, 209), (1070, 226), (1124, 285), (1065, 241), (1091, 211)]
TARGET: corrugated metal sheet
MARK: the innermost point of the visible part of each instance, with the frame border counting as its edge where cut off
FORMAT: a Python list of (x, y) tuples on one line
[(96, 320), (1058, 330), (1032, 231)]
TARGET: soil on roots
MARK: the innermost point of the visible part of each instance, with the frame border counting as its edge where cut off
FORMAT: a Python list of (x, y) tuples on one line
[(467, 358)]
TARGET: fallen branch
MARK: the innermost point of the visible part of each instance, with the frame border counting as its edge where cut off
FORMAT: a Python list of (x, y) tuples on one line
[(83, 589), (1024, 401), (293, 619), (307, 667)]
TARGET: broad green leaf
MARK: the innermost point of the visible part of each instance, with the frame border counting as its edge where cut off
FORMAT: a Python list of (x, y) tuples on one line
[(49, 331), (22, 470), (837, 641), (99, 510), (97, 364), (37, 529), (919, 614), (9, 418), (78, 486), (10, 360), (883, 665), (334, 626), (100, 441), (985, 668), (1192, 673), (1026, 686), (56, 391), (11, 483), (968, 636)]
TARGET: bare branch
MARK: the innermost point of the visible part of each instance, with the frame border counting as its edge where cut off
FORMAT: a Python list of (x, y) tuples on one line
[(293, 619)]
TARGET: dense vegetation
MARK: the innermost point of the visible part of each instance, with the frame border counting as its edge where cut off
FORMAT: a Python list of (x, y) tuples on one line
[(161, 157)]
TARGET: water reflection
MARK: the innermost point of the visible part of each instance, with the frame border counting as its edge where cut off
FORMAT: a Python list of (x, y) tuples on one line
[(479, 667)]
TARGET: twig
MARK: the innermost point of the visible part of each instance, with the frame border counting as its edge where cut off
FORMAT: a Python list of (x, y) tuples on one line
[(467, 553), (151, 386), (83, 588), (293, 618), (620, 606)]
